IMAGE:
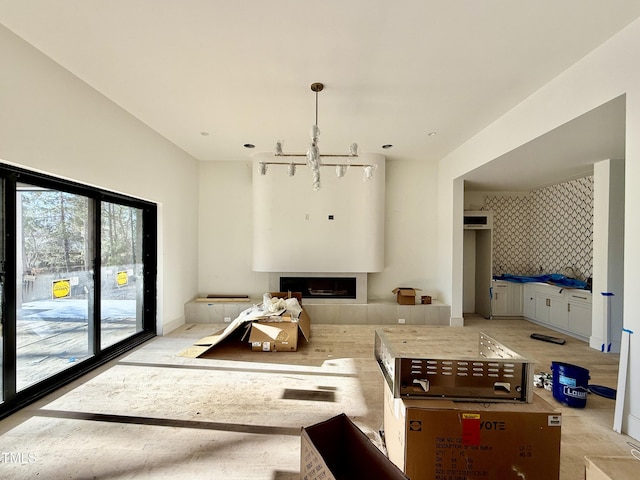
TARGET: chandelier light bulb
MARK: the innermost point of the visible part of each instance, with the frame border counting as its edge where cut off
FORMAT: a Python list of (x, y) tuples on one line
[(367, 172)]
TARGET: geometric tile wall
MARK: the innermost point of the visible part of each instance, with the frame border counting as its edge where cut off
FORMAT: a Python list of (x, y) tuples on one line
[(512, 234), (549, 230)]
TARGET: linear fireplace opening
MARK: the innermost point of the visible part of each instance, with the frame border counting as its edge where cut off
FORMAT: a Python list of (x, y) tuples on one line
[(320, 287)]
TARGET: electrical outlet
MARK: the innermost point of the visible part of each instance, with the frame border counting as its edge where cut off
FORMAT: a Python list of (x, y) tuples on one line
[(227, 319), (401, 320)]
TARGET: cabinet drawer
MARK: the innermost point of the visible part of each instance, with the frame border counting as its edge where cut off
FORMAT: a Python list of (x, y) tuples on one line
[(579, 297)]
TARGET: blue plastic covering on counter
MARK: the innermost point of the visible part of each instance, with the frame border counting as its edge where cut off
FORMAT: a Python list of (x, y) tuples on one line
[(553, 278)]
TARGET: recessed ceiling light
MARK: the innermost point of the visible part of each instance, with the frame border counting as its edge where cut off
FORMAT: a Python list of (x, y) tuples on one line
[(204, 134), (387, 145), (249, 145)]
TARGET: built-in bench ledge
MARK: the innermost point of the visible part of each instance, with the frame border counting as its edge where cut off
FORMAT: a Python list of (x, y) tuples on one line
[(372, 313)]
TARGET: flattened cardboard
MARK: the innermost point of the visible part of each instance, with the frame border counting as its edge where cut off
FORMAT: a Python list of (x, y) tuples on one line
[(205, 344), (304, 324), (430, 439), (338, 450)]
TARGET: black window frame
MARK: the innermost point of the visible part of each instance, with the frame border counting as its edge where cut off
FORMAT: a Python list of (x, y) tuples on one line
[(10, 176)]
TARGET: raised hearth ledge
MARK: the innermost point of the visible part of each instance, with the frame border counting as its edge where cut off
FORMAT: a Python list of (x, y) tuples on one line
[(373, 313)]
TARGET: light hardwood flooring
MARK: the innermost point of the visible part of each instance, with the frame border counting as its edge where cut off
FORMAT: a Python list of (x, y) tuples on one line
[(237, 414)]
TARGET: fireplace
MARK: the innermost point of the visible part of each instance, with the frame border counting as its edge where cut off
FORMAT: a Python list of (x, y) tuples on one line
[(320, 287)]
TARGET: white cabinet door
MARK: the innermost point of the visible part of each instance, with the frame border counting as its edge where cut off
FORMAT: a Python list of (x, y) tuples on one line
[(507, 299), (580, 313), (580, 318), (515, 299), (543, 308), (500, 299), (529, 301), (558, 312)]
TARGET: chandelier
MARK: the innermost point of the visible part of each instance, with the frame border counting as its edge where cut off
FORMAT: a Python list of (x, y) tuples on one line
[(314, 160)]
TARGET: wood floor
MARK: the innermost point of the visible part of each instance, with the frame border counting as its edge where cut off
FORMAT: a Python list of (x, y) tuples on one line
[(237, 414)]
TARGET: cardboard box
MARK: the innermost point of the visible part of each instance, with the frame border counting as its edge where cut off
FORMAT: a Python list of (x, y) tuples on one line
[(406, 295), (296, 295), (441, 439), (338, 450), (279, 334), (611, 468)]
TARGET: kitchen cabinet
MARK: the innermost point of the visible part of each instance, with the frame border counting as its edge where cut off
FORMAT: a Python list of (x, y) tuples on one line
[(542, 308), (579, 313), (559, 315), (529, 300), (550, 305), (562, 309), (506, 300)]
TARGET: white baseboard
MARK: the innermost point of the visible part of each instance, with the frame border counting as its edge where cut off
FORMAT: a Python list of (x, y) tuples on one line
[(632, 426), (169, 327), (456, 322)]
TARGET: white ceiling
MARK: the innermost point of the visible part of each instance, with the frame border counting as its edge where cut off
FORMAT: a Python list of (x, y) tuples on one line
[(393, 71), (565, 153)]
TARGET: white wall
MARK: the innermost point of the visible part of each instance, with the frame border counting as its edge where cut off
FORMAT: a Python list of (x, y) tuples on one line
[(410, 230), (225, 222), (226, 217), (338, 228), (607, 72), (608, 241), (53, 122)]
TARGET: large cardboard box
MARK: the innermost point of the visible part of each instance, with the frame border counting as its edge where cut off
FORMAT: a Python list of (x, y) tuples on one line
[(406, 295), (264, 332), (280, 334), (445, 440), (338, 450)]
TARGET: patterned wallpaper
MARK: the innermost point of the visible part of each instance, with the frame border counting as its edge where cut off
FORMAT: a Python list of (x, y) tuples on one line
[(545, 231)]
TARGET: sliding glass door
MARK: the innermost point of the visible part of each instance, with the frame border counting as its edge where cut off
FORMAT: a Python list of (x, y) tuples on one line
[(122, 268), (54, 282), (77, 281)]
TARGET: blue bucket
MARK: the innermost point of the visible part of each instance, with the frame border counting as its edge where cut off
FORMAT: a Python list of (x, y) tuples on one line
[(570, 384)]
